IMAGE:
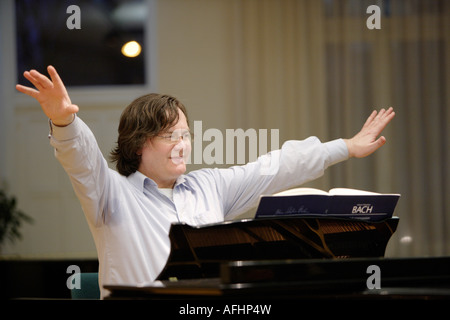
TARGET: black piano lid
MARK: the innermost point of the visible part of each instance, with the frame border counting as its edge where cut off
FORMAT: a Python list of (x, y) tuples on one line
[(199, 251)]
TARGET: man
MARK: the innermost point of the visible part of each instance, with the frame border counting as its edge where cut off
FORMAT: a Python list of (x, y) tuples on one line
[(129, 212)]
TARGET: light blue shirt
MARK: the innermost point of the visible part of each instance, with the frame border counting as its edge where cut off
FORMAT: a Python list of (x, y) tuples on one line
[(130, 218)]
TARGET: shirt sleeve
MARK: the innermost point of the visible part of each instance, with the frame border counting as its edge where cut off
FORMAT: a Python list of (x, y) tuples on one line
[(77, 150), (296, 163)]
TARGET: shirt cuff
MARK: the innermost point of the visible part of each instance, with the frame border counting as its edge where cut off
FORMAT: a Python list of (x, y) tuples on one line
[(65, 133), (337, 151)]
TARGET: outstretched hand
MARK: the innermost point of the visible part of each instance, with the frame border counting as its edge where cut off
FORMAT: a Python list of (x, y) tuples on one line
[(365, 142), (51, 94)]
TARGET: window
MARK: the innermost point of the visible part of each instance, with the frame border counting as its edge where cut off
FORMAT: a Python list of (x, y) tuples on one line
[(92, 55)]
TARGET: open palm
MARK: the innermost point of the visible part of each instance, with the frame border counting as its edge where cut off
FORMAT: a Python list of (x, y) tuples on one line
[(51, 94), (366, 141)]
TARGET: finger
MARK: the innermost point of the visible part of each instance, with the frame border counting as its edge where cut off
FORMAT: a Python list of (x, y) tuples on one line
[(32, 79), (55, 76), (380, 114), (73, 108), (380, 125), (370, 118), (388, 116), (42, 80), (379, 142), (374, 146), (388, 112), (27, 90)]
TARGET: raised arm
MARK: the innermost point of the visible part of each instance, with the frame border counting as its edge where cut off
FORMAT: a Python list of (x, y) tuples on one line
[(75, 145), (51, 94), (366, 141)]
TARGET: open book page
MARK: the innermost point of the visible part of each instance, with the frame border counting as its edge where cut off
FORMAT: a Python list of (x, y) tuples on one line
[(300, 191), (356, 192), (351, 192), (334, 191)]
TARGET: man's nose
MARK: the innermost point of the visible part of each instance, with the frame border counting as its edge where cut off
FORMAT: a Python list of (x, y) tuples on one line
[(181, 146)]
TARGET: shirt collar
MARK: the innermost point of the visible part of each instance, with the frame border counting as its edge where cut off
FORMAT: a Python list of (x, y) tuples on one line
[(181, 180), (138, 180)]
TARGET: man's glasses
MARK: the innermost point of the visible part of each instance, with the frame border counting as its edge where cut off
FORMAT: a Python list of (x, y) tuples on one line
[(175, 136)]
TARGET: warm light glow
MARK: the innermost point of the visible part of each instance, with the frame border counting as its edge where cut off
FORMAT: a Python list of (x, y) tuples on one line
[(131, 49), (406, 239)]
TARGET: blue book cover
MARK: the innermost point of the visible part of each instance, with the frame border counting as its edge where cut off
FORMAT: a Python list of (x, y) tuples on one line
[(337, 203)]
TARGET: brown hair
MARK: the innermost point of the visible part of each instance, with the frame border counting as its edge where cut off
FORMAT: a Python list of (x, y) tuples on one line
[(145, 117)]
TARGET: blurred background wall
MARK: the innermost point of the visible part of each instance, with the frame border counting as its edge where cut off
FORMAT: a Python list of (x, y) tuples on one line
[(304, 67)]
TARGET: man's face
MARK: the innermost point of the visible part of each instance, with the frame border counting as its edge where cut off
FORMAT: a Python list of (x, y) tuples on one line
[(164, 156)]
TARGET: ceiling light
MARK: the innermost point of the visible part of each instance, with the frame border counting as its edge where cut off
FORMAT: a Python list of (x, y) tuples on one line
[(131, 49)]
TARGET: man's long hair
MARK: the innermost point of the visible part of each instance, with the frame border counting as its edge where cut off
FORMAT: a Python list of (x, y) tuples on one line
[(144, 118)]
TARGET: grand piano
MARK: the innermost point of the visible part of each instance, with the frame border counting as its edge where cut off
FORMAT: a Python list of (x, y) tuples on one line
[(290, 258), (199, 252)]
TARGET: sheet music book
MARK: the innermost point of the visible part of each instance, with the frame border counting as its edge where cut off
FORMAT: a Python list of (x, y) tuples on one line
[(336, 203)]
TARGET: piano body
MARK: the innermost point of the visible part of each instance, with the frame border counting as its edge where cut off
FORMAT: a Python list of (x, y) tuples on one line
[(288, 259), (199, 252)]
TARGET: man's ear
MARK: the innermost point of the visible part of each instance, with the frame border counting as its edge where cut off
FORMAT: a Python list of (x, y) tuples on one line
[(139, 151)]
